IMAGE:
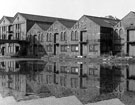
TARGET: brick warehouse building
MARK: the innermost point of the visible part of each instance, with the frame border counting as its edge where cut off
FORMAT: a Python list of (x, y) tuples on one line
[(36, 37), (124, 36), (57, 37), (17, 27), (90, 36)]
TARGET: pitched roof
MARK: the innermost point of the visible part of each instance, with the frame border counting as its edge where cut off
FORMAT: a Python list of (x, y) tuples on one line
[(7, 17), (10, 18), (102, 21), (39, 17), (44, 26), (67, 23)]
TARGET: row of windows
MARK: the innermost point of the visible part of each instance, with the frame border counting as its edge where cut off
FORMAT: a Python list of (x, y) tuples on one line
[(63, 36), (74, 48), (5, 28), (74, 70), (18, 26), (74, 36), (34, 37), (17, 36)]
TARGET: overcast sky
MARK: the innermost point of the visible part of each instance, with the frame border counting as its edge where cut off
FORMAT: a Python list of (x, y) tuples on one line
[(73, 9)]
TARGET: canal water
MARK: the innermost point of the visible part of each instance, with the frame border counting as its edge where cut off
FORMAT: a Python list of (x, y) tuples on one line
[(89, 82)]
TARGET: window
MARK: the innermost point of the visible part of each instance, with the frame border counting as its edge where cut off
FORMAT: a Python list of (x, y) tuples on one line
[(74, 82), (3, 28), (74, 70), (40, 48), (63, 48), (48, 79), (39, 37), (74, 48), (92, 71), (9, 48), (62, 81), (63, 36), (48, 37), (3, 36), (92, 48), (49, 68), (49, 48), (42, 37), (74, 36), (63, 69), (18, 26), (18, 36)]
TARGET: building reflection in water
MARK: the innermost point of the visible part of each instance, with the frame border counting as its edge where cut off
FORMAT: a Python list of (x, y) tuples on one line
[(87, 81)]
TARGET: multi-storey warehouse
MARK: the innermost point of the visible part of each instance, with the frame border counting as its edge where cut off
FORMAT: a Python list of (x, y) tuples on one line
[(124, 36), (13, 32), (34, 35)]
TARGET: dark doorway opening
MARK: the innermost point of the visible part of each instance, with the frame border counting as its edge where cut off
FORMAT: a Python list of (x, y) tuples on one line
[(9, 37), (17, 49), (55, 43), (82, 33), (3, 50)]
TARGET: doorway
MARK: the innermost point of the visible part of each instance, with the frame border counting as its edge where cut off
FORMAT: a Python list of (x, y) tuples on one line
[(17, 49), (55, 43), (3, 50), (82, 39)]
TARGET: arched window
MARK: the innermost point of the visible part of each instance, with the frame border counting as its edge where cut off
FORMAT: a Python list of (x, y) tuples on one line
[(65, 36), (39, 37), (72, 35), (42, 37), (61, 36), (50, 37), (76, 35), (47, 37), (116, 34), (120, 32)]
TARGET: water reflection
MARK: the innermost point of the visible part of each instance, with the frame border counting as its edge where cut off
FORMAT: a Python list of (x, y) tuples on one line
[(88, 81)]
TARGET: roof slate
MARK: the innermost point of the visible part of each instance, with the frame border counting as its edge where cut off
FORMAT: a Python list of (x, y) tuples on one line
[(44, 26), (11, 19), (102, 21), (67, 23), (40, 18)]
